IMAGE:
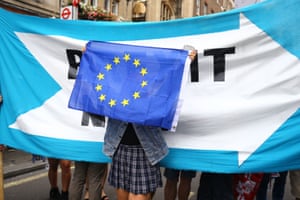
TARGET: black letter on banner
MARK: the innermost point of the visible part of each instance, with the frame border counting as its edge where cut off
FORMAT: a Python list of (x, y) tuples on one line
[(97, 120), (71, 54), (219, 61)]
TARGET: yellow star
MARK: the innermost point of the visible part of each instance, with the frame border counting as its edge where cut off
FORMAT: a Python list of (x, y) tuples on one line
[(108, 67), (144, 83), (136, 95), (98, 87), (136, 62), (126, 57), (143, 71), (100, 76), (125, 102), (102, 97), (116, 60), (112, 102)]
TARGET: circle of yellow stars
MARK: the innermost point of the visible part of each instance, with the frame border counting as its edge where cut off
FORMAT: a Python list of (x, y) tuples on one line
[(108, 67)]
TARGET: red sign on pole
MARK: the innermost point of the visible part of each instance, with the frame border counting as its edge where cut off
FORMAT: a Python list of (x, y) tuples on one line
[(66, 13), (75, 2)]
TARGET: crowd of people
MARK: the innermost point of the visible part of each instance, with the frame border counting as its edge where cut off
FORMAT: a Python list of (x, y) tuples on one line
[(133, 181), (88, 182)]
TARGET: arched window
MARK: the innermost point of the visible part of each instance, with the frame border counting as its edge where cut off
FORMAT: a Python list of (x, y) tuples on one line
[(167, 11)]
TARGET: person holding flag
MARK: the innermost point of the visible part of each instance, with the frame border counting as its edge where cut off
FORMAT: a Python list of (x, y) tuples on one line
[(137, 88), (136, 151)]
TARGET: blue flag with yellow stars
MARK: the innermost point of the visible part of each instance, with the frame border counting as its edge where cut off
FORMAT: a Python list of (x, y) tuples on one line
[(131, 83)]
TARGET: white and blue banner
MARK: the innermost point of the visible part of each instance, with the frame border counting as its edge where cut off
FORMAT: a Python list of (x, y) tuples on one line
[(240, 108)]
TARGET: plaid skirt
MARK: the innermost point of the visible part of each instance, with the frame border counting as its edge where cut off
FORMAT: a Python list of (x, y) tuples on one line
[(131, 171)]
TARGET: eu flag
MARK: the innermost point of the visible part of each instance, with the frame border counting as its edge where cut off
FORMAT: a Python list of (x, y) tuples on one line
[(131, 83)]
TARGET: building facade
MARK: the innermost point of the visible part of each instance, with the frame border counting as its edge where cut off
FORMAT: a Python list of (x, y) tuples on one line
[(128, 10), (43, 8), (159, 10)]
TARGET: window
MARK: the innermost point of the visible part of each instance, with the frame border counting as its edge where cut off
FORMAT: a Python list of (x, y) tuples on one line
[(166, 11), (94, 2), (197, 9), (115, 7), (205, 9), (178, 8), (107, 5)]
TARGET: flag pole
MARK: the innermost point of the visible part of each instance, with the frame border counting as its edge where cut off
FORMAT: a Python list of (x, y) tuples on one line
[(75, 4)]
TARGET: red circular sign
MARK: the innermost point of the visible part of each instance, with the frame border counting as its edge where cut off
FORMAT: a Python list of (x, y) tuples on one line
[(66, 13), (75, 2)]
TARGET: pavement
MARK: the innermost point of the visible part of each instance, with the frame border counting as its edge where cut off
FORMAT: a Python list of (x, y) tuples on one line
[(16, 162)]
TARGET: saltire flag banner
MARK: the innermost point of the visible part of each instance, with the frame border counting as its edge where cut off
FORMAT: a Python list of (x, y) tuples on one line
[(241, 101), (131, 83)]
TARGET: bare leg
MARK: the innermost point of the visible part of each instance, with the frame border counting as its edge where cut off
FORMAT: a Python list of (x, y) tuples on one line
[(170, 190), (122, 194), (52, 172), (147, 196), (184, 188), (52, 176), (65, 174), (103, 194)]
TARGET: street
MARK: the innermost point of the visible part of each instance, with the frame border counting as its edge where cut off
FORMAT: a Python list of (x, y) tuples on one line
[(35, 186)]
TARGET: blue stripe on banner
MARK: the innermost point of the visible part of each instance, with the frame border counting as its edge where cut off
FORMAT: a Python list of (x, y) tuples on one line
[(16, 78), (272, 156), (283, 30), (116, 31), (211, 160), (275, 154), (69, 149)]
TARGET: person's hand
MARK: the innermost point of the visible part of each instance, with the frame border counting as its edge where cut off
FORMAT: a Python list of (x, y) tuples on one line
[(193, 54)]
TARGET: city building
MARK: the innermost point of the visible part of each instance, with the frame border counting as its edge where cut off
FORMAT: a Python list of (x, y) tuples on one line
[(159, 10), (128, 10), (43, 8)]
